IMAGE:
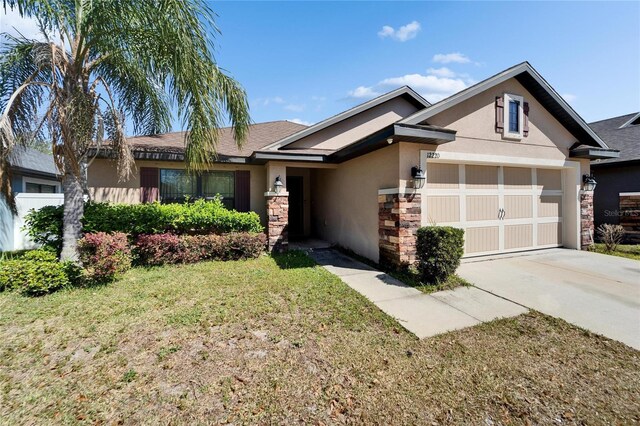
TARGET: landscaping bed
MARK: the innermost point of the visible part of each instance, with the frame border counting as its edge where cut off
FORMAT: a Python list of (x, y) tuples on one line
[(280, 340), (630, 251)]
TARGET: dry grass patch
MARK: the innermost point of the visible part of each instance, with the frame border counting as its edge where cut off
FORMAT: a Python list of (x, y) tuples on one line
[(264, 341)]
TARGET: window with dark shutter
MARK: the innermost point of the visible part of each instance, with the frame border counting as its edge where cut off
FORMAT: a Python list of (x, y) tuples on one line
[(525, 126), (148, 184), (243, 191)]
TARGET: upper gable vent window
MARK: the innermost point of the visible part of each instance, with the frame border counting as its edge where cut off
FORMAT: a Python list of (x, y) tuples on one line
[(512, 116)]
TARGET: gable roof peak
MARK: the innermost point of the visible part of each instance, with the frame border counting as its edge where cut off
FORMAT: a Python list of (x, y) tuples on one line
[(536, 85)]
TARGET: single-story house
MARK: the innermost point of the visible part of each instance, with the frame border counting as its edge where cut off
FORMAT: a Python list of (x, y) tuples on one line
[(617, 194), (35, 184), (504, 159)]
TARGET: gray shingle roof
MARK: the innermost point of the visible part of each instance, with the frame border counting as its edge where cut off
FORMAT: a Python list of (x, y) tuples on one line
[(625, 139), (31, 160)]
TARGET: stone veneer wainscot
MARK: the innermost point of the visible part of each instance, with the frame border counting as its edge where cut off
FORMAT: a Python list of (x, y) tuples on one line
[(400, 216)]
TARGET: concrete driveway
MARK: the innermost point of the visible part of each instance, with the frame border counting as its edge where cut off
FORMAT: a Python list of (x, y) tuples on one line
[(594, 291)]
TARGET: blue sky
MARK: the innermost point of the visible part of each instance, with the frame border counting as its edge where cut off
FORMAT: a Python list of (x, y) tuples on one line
[(310, 60), (306, 61)]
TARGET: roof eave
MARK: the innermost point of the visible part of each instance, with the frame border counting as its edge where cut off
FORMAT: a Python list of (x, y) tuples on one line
[(594, 153)]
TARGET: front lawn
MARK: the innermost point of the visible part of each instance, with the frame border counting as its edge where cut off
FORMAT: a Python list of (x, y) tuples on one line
[(283, 341), (630, 251)]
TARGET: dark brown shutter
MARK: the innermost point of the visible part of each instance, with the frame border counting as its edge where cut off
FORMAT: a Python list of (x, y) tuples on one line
[(243, 191), (525, 125), (499, 114), (148, 184)]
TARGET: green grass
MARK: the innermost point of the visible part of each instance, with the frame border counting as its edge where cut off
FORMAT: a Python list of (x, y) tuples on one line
[(283, 341), (630, 251)]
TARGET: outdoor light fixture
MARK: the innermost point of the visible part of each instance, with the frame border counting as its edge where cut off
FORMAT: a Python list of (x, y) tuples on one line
[(588, 182), (277, 185), (418, 177)]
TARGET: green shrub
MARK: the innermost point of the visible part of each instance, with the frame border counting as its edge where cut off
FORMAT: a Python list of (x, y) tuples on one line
[(439, 250), (44, 226), (40, 255), (33, 277)]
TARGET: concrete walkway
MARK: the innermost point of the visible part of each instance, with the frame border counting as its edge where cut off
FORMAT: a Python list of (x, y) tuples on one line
[(422, 314), (595, 291)]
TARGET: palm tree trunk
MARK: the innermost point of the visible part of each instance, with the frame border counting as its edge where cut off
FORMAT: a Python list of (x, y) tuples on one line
[(72, 216)]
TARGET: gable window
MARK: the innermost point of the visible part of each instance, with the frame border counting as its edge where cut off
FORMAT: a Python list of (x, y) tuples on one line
[(514, 112), (178, 185), (513, 116)]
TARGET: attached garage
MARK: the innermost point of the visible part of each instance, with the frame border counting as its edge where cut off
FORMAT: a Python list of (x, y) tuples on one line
[(501, 208)]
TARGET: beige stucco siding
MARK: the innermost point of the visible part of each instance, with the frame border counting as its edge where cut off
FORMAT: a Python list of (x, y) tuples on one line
[(104, 186), (345, 200), (357, 127)]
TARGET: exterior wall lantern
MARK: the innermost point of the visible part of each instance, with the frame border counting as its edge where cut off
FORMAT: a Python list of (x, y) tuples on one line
[(277, 185), (418, 176), (588, 183)]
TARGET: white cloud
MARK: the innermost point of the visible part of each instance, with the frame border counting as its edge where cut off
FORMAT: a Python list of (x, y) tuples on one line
[(268, 101), (12, 23), (442, 72), (299, 121), (446, 58), (294, 107), (435, 85), (427, 83), (568, 97), (404, 33), (363, 92)]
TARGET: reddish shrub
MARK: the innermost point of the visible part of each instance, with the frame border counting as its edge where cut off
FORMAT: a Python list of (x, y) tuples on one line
[(160, 249), (104, 256)]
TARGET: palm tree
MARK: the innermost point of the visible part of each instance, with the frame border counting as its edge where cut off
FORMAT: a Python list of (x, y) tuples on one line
[(102, 62)]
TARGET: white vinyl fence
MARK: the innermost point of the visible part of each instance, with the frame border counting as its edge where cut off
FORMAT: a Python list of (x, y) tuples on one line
[(12, 237)]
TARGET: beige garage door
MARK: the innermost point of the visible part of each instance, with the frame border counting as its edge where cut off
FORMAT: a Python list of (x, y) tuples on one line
[(501, 208)]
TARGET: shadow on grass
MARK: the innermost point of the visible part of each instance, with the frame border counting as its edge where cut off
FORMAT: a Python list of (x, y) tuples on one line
[(293, 259)]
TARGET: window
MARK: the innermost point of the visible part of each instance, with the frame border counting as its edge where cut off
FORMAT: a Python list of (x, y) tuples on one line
[(176, 185), (40, 188), (513, 116), (514, 122)]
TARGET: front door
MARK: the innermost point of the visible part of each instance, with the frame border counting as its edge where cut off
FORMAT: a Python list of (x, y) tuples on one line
[(296, 206)]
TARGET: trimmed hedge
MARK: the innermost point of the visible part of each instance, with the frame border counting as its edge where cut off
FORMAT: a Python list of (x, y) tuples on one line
[(37, 272), (104, 256), (44, 226), (439, 250), (163, 249)]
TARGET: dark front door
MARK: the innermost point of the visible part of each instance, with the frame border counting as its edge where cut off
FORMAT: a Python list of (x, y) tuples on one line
[(296, 206)]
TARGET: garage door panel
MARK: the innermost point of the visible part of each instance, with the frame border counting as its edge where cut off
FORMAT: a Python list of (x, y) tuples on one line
[(518, 206), (443, 209), (517, 178), (549, 233), (549, 179), (518, 236), (482, 239), (482, 207), (443, 176), (481, 177), (550, 206)]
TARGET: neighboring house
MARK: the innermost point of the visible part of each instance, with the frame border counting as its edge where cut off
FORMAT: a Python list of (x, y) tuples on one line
[(504, 160), (35, 184), (618, 176)]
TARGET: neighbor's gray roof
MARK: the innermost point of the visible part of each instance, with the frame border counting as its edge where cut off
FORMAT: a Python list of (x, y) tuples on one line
[(626, 139), (29, 160)]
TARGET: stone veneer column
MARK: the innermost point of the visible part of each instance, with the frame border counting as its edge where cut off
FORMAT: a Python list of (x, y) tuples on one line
[(277, 222), (399, 217), (586, 219)]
